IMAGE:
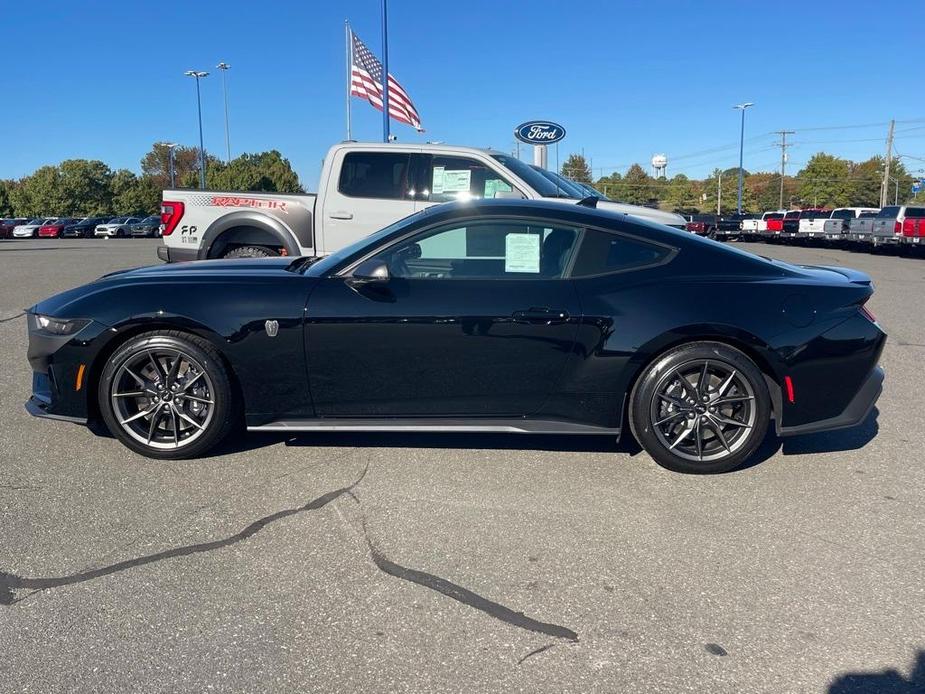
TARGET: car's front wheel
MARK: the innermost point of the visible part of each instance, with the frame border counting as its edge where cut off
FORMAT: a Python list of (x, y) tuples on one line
[(167, 394), (702, 407)]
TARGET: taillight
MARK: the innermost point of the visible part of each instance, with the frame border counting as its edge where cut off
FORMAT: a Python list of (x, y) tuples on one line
[(171, 214), (909, 227), (897, 227), (868, 314)]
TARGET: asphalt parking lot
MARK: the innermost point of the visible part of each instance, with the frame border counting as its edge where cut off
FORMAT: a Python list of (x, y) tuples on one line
[(414, 563)]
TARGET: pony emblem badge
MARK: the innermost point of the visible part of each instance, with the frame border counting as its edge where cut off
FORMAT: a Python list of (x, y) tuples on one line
[(272, 327)]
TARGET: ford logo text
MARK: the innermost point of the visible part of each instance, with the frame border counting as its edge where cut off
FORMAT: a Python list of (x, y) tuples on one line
[(539, 132)]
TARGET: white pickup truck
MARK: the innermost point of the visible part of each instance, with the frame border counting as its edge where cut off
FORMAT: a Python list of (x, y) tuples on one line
[(757, 226), (363, 188)]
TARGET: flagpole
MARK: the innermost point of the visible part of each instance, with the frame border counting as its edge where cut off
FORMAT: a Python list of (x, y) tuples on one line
[(385, 72), (347, 34)]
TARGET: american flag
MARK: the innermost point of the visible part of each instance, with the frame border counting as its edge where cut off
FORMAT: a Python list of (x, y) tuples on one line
[(366, 82)]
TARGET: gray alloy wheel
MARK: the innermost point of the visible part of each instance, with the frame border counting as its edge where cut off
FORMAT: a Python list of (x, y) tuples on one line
[(702, 407), (167, 395), (703, 410)]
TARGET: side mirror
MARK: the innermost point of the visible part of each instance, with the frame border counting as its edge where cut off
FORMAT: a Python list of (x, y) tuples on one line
[(372, 270)]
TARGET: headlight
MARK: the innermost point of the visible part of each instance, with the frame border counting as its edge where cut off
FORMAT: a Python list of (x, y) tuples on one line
[(61, 326)]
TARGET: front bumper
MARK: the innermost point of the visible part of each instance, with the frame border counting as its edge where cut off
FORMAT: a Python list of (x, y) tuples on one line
[(855, 413)]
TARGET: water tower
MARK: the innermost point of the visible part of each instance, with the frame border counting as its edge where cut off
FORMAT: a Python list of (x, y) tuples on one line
[(660, 165)]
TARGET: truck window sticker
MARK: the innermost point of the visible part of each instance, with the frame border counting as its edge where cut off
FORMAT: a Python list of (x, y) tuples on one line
[(496, 185), (450, 180)]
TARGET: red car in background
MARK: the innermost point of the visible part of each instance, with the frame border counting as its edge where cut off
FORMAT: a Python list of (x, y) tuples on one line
[(53, 230), (6, 226)]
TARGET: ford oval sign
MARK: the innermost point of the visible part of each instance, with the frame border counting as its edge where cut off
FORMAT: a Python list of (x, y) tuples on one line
[(539, 132)]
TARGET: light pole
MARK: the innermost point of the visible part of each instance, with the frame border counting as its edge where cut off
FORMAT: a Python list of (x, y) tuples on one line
[(223, 66), (742, 108), (199, 74), (171, 169)]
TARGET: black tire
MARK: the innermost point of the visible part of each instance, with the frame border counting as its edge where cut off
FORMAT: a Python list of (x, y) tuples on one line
[(179, 438), (250, 252), (720, 424)]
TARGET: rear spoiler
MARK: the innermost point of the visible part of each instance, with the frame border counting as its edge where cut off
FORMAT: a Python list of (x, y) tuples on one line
[(852, 275)]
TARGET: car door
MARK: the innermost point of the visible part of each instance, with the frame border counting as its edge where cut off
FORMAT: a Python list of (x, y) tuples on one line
[(475, 319), (372, 190)]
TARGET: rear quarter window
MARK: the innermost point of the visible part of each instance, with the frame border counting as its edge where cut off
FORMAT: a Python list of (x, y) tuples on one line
[(380, 175), (603, 253)]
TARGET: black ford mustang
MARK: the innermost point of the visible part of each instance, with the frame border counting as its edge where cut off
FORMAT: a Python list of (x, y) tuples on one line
[(498, 315)]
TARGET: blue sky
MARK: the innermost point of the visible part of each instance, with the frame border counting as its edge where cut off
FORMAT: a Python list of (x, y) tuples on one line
[(104, 79)]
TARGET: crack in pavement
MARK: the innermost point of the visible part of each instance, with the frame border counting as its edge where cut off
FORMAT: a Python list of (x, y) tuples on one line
[(537, 651), (458, 593), (11, 582)]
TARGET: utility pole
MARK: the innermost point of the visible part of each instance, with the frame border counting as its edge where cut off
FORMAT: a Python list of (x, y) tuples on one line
[(885, 188), (719, 191), (783, 162)]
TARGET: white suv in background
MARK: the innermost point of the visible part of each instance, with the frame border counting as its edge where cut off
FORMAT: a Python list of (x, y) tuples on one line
[(118, 227)]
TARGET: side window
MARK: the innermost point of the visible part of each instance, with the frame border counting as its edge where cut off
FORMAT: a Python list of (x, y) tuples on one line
[(915, 211), (484, 250), (602, 253), (381, 175), (459, 178)]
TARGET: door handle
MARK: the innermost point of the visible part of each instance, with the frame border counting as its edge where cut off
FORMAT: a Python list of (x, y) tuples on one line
[(546, 316), (341, 215)]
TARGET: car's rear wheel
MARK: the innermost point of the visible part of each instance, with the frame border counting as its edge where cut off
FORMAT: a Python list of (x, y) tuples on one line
[(250, 252), (702, 407), (167, 394)]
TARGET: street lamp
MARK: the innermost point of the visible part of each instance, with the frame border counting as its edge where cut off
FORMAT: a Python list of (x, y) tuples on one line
[(171, 169), (223, 66), (742, 108), (198, 74)]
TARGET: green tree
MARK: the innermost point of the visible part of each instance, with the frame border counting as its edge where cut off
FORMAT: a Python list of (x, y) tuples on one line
[(132, 194), (6, 204), (85, 187), (824, 181), (262, 172), (155, 164), (576, 168), (681, 194), (636, 187), (39, 194)]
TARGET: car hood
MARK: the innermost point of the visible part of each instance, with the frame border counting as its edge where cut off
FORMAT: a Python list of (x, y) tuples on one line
[(67, 304)]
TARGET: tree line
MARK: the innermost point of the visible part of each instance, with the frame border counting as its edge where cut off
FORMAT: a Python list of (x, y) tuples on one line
[(825, 181), (89, 187)]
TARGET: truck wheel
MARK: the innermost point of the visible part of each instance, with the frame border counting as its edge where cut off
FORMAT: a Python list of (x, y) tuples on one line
[(250, 252)]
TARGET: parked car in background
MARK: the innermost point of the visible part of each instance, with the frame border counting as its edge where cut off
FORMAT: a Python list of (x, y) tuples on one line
[(363, 187), (812, 223), (759, 225), (702, 224), (54, 229), (7, 226), (887, 227), (83, 228), (118, 227), (730, 225), (149, 226), (836, 226), (31, 227)]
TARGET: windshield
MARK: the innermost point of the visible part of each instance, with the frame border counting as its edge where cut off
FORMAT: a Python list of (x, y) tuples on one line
[(533, 178), (118, 220), (566, 186), (34, 221), (888, 213), (153, 219), (774, 215), (843, 214)]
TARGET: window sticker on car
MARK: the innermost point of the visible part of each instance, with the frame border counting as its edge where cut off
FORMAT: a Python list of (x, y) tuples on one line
[(496, 185), (522, 253), (450, 181)]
